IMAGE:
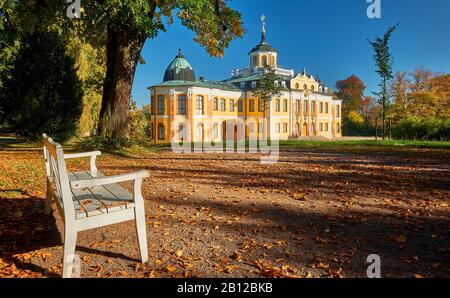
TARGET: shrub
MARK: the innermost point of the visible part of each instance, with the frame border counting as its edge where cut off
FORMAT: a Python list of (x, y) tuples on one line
[(43, 92), (437, 129)]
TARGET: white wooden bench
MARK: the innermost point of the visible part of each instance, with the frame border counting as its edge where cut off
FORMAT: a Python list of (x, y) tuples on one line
[(88, 199)]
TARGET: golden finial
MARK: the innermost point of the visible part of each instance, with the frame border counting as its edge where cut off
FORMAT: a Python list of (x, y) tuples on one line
[(263, 20)]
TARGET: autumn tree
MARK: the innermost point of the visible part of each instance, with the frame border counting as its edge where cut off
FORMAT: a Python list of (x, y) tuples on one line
[(351, 91), (383, 61), (128, 24), (399, 88)]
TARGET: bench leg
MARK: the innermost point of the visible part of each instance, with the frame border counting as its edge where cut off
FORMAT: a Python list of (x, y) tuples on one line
[(48, 200), (139, 214), (70, 239)]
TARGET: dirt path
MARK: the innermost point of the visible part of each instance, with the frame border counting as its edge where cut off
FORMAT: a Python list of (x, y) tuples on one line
[(313, 214)]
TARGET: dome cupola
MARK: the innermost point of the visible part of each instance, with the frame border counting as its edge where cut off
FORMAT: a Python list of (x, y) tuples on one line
[(263, 54), (179, 70)]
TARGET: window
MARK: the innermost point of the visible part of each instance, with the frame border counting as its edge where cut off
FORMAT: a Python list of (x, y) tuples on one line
[(277, 83), (338, 111), (283, 84), (277, 105), (222, 105), (231, 105), (251, 127), (199, 132), (161, 132), (313, 106), (338, 128), (326, 108), (277, 127), (285, 127), (321, 107), (297, 86), (273, 61), (285, 105), (261, 127), (261, 105), (312, 87), (313, 127), (180, 131), (255, 60), (182, 105), (216, 130), (240, 108), (264, 60), (305, 87), (200, 105), (305, 107), (216, 104), (251, 105), (298, 106), (242, 85), (320, 127), (326, 126), (253, 84), (161, 105)]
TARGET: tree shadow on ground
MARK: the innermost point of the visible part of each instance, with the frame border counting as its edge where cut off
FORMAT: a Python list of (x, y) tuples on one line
[(24, 227)]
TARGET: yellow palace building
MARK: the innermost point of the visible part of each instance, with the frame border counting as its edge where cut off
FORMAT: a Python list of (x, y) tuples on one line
[(306, 107)]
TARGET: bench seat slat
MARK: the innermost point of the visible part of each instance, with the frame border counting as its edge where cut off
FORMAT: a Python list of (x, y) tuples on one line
[(91, 205), (105, 199)]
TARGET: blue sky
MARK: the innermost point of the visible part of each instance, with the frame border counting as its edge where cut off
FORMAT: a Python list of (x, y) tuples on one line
[(328, 37)]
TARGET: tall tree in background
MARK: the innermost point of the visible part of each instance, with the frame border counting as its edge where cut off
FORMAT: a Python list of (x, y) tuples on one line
[(128, 24), (399, 90), (383, 61), (351, 91), (267, 88)]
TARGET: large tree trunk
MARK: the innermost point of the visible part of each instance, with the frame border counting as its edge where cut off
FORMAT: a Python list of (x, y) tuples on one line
[(122, 55)]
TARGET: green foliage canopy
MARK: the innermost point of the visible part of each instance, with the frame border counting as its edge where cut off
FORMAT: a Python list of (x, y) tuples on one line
[(45, 96)]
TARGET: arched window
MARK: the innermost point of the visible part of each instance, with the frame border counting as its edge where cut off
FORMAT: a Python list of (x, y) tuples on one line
[(161, 132), (305, 107), (313, 127), (264, 60), (181, 132), (312, 87), (297, 86), (199, 132), (216, 130), (313, 106), (273, 61), (305, 87)]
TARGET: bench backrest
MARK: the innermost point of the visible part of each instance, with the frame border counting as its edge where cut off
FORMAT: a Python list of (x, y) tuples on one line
[(56, 171)]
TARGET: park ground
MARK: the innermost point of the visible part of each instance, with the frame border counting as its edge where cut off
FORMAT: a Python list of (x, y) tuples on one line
[(318, 212)]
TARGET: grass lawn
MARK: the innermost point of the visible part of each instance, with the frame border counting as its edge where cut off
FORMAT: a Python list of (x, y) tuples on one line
[(366, 144), (315, 213)]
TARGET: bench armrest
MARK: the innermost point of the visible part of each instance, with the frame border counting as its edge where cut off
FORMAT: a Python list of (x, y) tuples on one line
[(84, 154), (93, 155), (139, 175)]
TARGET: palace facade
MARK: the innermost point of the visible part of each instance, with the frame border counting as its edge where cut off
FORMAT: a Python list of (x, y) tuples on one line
[(305, 108)]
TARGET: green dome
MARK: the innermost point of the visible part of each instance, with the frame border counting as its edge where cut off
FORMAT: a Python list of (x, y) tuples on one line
[(263, 46), (179, 70)]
